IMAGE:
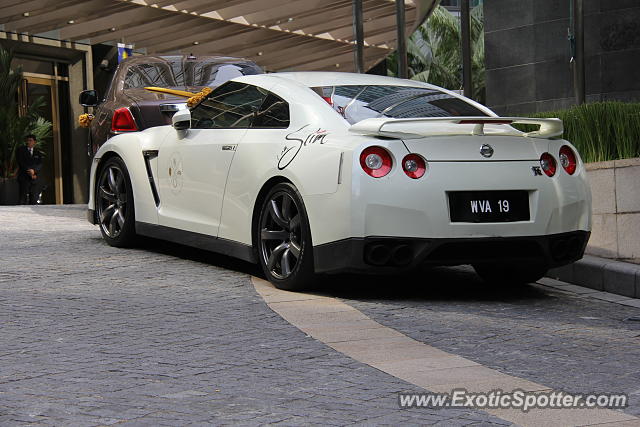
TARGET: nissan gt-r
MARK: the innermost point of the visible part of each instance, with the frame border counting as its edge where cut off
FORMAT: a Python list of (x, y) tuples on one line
[(317, 172)]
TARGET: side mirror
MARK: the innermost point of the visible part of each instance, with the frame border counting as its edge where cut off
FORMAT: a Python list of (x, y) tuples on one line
[(182, 119), (89, 98)]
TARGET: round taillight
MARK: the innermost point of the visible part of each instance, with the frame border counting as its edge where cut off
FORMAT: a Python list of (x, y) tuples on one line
[(376, 161), (414, 166), (568, 159), (548, 164)]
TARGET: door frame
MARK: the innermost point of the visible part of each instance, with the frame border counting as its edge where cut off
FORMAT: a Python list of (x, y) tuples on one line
[(52, 82)]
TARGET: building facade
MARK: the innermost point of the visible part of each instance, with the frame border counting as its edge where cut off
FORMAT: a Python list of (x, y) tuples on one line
[(528, 53), (57, 71)]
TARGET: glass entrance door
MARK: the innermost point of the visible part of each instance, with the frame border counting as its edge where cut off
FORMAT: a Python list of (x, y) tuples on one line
[(51, 174)]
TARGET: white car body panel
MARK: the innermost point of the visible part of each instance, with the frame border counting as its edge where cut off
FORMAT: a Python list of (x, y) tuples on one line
[(222, 171), (192, 175), (129, 146)]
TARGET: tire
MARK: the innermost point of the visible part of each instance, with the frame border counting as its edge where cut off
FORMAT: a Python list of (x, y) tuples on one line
[(283, 239), (115, 209), (502, 275)]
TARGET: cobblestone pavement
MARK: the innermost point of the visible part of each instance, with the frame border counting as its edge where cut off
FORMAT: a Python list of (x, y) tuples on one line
[(164, 335), (561, 340)]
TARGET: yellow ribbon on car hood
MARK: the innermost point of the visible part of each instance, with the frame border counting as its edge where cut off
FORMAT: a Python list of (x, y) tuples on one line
[(171, 91), (194, 98), (198, 97)]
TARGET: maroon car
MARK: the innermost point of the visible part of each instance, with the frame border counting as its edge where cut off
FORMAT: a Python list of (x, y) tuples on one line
[(128, 106)]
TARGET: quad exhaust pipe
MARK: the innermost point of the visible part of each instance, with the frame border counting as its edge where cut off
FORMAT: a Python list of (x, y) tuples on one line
[(378, 254), (383, 254)]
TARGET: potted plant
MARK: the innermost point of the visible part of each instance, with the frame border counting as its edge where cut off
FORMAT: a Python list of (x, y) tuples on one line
[(14, 126)]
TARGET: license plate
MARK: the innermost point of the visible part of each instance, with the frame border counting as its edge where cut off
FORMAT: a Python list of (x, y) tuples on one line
[(489, 206)]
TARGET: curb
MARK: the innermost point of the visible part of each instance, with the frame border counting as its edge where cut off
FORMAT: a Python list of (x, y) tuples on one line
[(601, 274)]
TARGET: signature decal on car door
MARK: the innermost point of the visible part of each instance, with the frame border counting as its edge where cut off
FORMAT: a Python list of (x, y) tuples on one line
[(298, 140)]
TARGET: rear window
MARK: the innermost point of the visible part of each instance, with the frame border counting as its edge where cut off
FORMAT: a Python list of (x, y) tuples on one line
[(184, 74), (356, 103)]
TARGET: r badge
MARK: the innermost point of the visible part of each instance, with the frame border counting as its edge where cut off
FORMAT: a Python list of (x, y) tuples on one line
[(486, 150), (537, 171)]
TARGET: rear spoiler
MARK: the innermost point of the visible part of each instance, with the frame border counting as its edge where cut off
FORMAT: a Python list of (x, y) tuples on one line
[(442, 126)]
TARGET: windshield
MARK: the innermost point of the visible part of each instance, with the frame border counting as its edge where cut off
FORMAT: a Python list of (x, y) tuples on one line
[(179, 74), (358, 102)]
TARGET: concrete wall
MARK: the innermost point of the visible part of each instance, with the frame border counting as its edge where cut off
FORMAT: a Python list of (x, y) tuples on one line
[(527, 53), (615, 186)]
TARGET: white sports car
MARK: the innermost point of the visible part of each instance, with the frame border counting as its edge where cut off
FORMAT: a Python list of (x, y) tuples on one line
[(317, 172)]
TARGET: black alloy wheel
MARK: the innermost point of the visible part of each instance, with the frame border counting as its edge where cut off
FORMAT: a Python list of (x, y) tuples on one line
[(114, 204), (284, 239)]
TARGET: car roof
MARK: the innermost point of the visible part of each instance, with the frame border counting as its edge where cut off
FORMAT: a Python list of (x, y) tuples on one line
[(327, 78), (332, 78)]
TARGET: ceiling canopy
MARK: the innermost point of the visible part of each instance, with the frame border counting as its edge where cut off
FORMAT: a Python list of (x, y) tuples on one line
[(277, 34)]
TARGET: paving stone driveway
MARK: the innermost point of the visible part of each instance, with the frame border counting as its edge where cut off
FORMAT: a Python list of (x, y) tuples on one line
[(564, 341), (164, 335)]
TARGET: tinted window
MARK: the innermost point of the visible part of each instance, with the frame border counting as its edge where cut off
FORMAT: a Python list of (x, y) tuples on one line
[(274, 113), (181, 74), (356, 103), (232, 105)]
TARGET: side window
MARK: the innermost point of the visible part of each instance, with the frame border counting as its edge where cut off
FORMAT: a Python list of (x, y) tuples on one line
[(274, 114), (232, 105)]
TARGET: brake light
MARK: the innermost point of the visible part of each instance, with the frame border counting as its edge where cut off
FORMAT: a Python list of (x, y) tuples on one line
[(548, 164), (414, 166), (376, 161), (123, 121), (568, 159), (485, 122), (328, 99)]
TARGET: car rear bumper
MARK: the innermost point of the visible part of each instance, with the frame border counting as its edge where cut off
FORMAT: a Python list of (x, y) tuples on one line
[(392, 254)]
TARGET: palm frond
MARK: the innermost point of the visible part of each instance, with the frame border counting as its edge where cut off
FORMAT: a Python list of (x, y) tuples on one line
[(422, 76), (434, 51)]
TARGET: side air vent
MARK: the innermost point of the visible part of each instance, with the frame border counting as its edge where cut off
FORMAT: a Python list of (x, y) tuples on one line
[(148, 156)]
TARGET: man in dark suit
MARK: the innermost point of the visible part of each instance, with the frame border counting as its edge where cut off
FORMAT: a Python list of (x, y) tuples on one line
[(29, 165)]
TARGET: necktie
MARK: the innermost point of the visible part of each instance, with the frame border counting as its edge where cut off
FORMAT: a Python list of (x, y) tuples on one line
[(31, 151)]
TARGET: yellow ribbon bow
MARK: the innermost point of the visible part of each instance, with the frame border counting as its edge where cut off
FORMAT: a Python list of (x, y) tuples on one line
[(198, 97), (84, 120)]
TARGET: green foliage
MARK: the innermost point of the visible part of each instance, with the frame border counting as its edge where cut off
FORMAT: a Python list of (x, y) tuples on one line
[(42, 129), (13, 126), (602, 130), (434, 52)]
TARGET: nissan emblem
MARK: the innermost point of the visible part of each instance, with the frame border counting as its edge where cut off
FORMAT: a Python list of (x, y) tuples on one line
[(486, 150)]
